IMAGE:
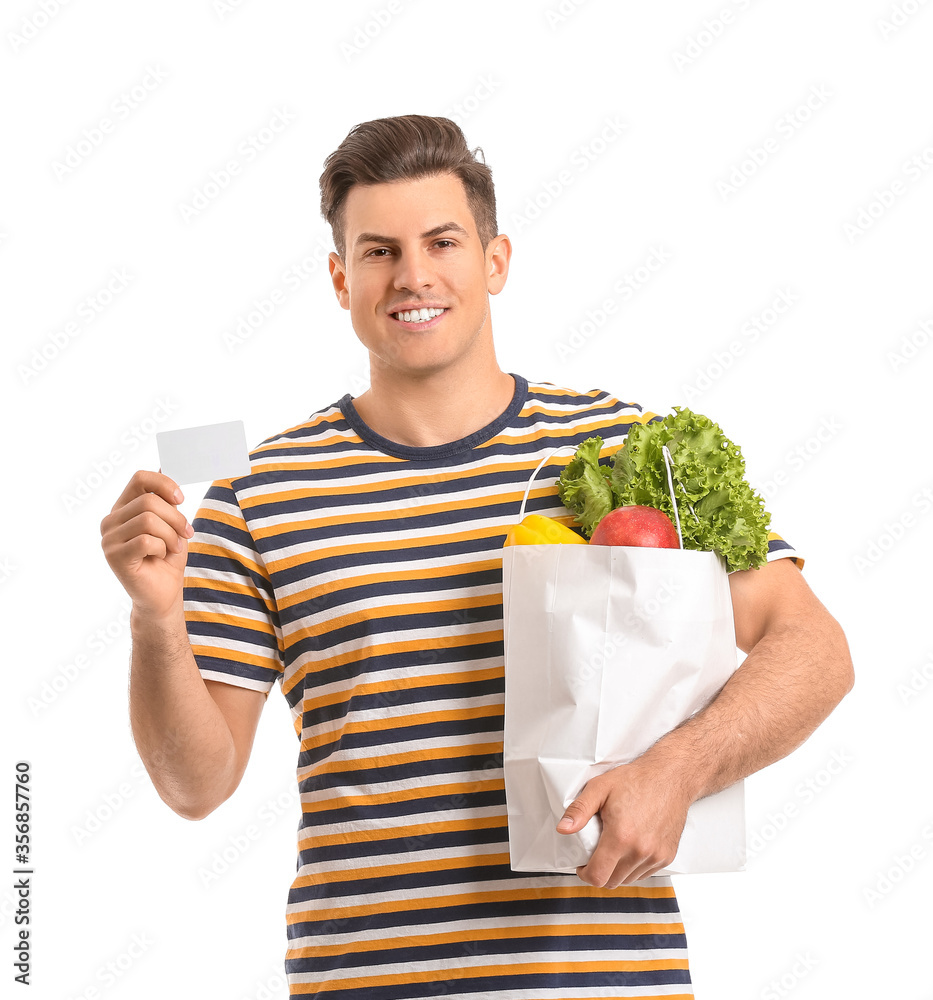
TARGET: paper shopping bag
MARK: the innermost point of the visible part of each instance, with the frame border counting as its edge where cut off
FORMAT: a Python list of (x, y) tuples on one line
[(607, 648)]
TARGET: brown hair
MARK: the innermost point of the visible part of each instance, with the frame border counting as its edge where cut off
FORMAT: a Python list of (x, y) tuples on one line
[(405, 148)]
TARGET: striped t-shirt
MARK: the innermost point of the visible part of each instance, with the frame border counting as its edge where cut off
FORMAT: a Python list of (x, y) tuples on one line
[(365, 577)]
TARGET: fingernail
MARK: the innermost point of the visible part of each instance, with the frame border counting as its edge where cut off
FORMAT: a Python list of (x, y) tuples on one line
[(565, 824), (179, 496)]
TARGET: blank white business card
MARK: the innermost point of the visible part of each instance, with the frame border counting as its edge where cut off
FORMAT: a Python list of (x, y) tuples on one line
[(203, 454)]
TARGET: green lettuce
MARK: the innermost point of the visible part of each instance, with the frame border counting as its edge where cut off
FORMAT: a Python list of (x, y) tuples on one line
[(718, 509), (584, 485)]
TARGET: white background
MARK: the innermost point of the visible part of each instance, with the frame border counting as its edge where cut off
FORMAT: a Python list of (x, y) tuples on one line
[(829, 404)]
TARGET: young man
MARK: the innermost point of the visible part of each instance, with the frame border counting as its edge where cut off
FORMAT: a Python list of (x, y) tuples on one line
[(359, 565)]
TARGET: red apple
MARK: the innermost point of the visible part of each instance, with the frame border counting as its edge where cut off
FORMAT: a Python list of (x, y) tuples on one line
[(636, 525)]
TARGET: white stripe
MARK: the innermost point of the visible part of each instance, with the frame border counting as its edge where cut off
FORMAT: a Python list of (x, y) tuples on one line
[(497, 964), (400, 936), (498, 886)]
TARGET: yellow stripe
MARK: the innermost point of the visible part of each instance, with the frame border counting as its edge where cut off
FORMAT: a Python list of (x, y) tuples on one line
[(420, 791), (248, 624), (219, 653), (403, 684), (205, 548), (416, 645), (559, 967), (352, 764), (383, 547), (386, 611), (774, 536), (477, 898), (369, 579), (224, 586), (353, 946), (349, 875), (422, 509), (365, 833), (404, 721)]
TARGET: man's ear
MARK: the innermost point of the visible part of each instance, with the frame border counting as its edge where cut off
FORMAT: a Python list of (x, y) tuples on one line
[(498, 255), (338, 276)]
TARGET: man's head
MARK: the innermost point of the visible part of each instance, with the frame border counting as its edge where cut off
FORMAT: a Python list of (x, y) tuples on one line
[(405, 148)]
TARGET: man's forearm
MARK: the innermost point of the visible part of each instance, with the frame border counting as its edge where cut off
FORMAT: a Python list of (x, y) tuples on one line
[(181, 735), (789, 683)]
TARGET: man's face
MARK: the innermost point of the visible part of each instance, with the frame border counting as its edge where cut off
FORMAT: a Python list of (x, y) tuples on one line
[(413, 245)]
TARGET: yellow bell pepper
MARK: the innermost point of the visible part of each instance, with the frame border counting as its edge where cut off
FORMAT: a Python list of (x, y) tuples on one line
[(536, 529)]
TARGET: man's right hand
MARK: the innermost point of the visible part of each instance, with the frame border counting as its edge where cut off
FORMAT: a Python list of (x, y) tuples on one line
[(145, 541)]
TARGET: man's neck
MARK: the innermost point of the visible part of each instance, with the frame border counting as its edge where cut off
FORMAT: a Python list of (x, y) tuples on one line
[(432, 411)]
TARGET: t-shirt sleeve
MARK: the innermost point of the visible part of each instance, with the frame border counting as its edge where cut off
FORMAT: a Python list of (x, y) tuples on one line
[(778, 548), (230, 611)]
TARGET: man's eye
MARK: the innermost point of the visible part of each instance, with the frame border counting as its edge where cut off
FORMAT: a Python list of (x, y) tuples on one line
[(449, 243), (378, 251)]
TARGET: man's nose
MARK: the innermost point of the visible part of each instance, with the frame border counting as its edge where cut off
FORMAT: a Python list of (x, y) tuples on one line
[(413, 271)]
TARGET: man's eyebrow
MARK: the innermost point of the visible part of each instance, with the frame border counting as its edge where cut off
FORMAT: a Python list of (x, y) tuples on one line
[(444, 227)]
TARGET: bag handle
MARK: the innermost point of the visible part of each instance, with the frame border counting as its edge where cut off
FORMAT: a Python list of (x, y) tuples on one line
[(668, 462), (538, 467)]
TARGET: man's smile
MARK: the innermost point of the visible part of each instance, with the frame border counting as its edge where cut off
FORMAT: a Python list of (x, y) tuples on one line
[(423, 317)]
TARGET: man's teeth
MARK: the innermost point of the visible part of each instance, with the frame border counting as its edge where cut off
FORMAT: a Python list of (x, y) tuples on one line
[(418, 315)]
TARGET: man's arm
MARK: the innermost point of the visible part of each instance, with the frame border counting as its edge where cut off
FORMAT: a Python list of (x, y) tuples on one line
[(798, 668), (194, 736)]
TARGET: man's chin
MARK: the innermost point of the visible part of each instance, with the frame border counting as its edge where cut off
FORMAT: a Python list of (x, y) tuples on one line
[(406, 366)]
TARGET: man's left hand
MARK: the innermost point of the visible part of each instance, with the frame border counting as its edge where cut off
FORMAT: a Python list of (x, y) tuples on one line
[(643, 813)]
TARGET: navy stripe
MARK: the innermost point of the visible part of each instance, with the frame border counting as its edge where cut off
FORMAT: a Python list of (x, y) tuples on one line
[(499, 908), (618, 946), (376, 561), (413, 696), (318, 603), (218, 665), (369, 663), (485, 987), (406, 807), (434, 730), (424, 768), (368, 849)]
